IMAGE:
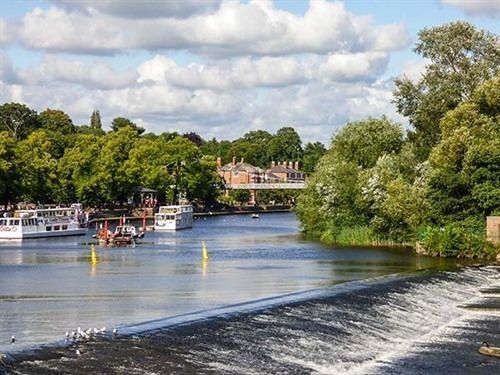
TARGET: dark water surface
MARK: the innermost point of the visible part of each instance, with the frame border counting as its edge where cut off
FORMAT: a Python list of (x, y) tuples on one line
[(265, 302)]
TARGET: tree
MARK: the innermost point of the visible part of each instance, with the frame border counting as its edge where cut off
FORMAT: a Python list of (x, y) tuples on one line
[(121, 122), (95, 120), (461, 58), (9, 169), (286, 145), (18, 120), (345, 192), (363, 142), (312, 153), (464, 178), (194, 137), (38, 168), (55, 120)]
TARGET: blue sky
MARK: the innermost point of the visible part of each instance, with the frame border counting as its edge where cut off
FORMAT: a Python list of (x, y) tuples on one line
[(220, 67)]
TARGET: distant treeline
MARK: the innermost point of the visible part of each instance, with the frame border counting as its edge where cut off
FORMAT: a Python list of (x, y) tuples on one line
[(45, 158), (433, 184)]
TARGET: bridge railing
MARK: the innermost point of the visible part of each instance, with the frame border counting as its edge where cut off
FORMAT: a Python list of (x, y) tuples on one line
[(266, 186)]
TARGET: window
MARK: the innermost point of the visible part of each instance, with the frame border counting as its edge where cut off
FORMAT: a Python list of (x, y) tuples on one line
[(57, 227), (64, 227), (48, 228)]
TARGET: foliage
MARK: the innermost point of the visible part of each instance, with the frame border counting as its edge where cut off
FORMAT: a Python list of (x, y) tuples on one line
[(121, 122), (18, 120), (9, 169), (464, 177), (460, 59), (313, 151), (95, 120)]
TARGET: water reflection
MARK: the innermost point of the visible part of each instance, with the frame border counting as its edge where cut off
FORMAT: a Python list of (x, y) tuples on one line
[(50, 286)]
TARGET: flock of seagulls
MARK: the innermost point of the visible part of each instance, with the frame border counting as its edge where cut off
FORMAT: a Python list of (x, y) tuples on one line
[(79, 336)]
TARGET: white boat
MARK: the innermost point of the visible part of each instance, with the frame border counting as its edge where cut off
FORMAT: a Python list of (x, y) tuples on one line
[(174, 217), (44, 222), (255, 216)]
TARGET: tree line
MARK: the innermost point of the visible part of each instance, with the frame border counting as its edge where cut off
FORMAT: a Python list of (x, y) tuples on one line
[(433, 183), (45, 158)]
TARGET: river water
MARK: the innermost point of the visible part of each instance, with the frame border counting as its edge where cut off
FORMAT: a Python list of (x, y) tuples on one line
[(266, 301)]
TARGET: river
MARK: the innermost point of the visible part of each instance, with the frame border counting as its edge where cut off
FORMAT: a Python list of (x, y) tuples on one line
[(266, 301)]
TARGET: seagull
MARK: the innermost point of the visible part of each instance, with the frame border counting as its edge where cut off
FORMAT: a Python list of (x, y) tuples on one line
[(115, 331), (78, 352), (67, 334), (13, 339)]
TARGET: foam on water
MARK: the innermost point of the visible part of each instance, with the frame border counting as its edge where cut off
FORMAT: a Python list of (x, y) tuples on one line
[(356, 328)]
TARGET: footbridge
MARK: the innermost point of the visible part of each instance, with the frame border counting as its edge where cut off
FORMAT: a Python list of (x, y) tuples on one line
[(267, 186)]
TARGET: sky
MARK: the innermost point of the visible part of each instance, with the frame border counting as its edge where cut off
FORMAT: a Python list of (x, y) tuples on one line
[(220, 67)]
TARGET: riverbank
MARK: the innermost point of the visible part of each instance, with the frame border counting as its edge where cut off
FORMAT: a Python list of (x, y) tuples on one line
[(430, 323), (117, 215)]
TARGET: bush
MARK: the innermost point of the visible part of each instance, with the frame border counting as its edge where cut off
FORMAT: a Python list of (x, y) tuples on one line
[(458, 239)]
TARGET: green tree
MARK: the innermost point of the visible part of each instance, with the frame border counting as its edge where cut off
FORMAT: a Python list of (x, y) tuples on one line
[(286, 145), (121, 122), (55, 120), (9, 170), (363, 142), (38, 168), (18, 120), (95, 120), (312, 154), (464, 178), (460, 58), (338, 194)]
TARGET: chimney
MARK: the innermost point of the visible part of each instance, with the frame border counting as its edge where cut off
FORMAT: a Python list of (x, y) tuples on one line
[(284, 164), (290, 164), (273, 163), (234, 160), (242, 160), (219, 161), (296, 166)]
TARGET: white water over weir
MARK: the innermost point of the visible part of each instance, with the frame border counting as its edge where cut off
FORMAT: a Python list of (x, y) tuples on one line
[(431, 323)]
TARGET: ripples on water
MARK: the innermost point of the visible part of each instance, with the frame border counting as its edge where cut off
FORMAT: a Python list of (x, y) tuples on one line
[(337, 326), (418, 324)]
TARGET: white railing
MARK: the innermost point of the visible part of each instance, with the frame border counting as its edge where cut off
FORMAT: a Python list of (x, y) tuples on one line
[(266, 186)]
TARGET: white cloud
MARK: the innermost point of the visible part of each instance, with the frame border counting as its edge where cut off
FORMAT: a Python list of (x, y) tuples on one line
[(4, 37), (7, 73), (256, 28), (96, 75), (246, 73), (413, 69), (143, 8), (488, 8)]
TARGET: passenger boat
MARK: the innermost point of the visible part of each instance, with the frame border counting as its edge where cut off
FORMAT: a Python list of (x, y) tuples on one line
[(255, 216), (44, 222), (174, 217)]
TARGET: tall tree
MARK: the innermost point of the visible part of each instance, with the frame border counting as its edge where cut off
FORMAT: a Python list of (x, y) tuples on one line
[(465, 166), (286, 145), (18, 120), (460, 58), (95, 120)]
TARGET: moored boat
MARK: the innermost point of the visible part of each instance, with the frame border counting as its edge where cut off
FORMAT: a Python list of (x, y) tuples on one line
[(123, 235), (44, 222), (174, 217)]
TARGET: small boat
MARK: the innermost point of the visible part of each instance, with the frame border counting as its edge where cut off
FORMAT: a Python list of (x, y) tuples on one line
[(123, 235), (174, 217), (255, 216), (486, 349)]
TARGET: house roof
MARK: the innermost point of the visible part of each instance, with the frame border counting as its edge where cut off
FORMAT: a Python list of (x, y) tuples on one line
[(241, 167), (282, 169)]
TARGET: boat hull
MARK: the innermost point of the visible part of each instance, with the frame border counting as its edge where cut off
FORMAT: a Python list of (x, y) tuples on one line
[(30, 235)]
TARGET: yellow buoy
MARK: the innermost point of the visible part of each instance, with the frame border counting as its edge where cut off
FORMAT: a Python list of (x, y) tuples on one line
[(204, 251), (93, 255)]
